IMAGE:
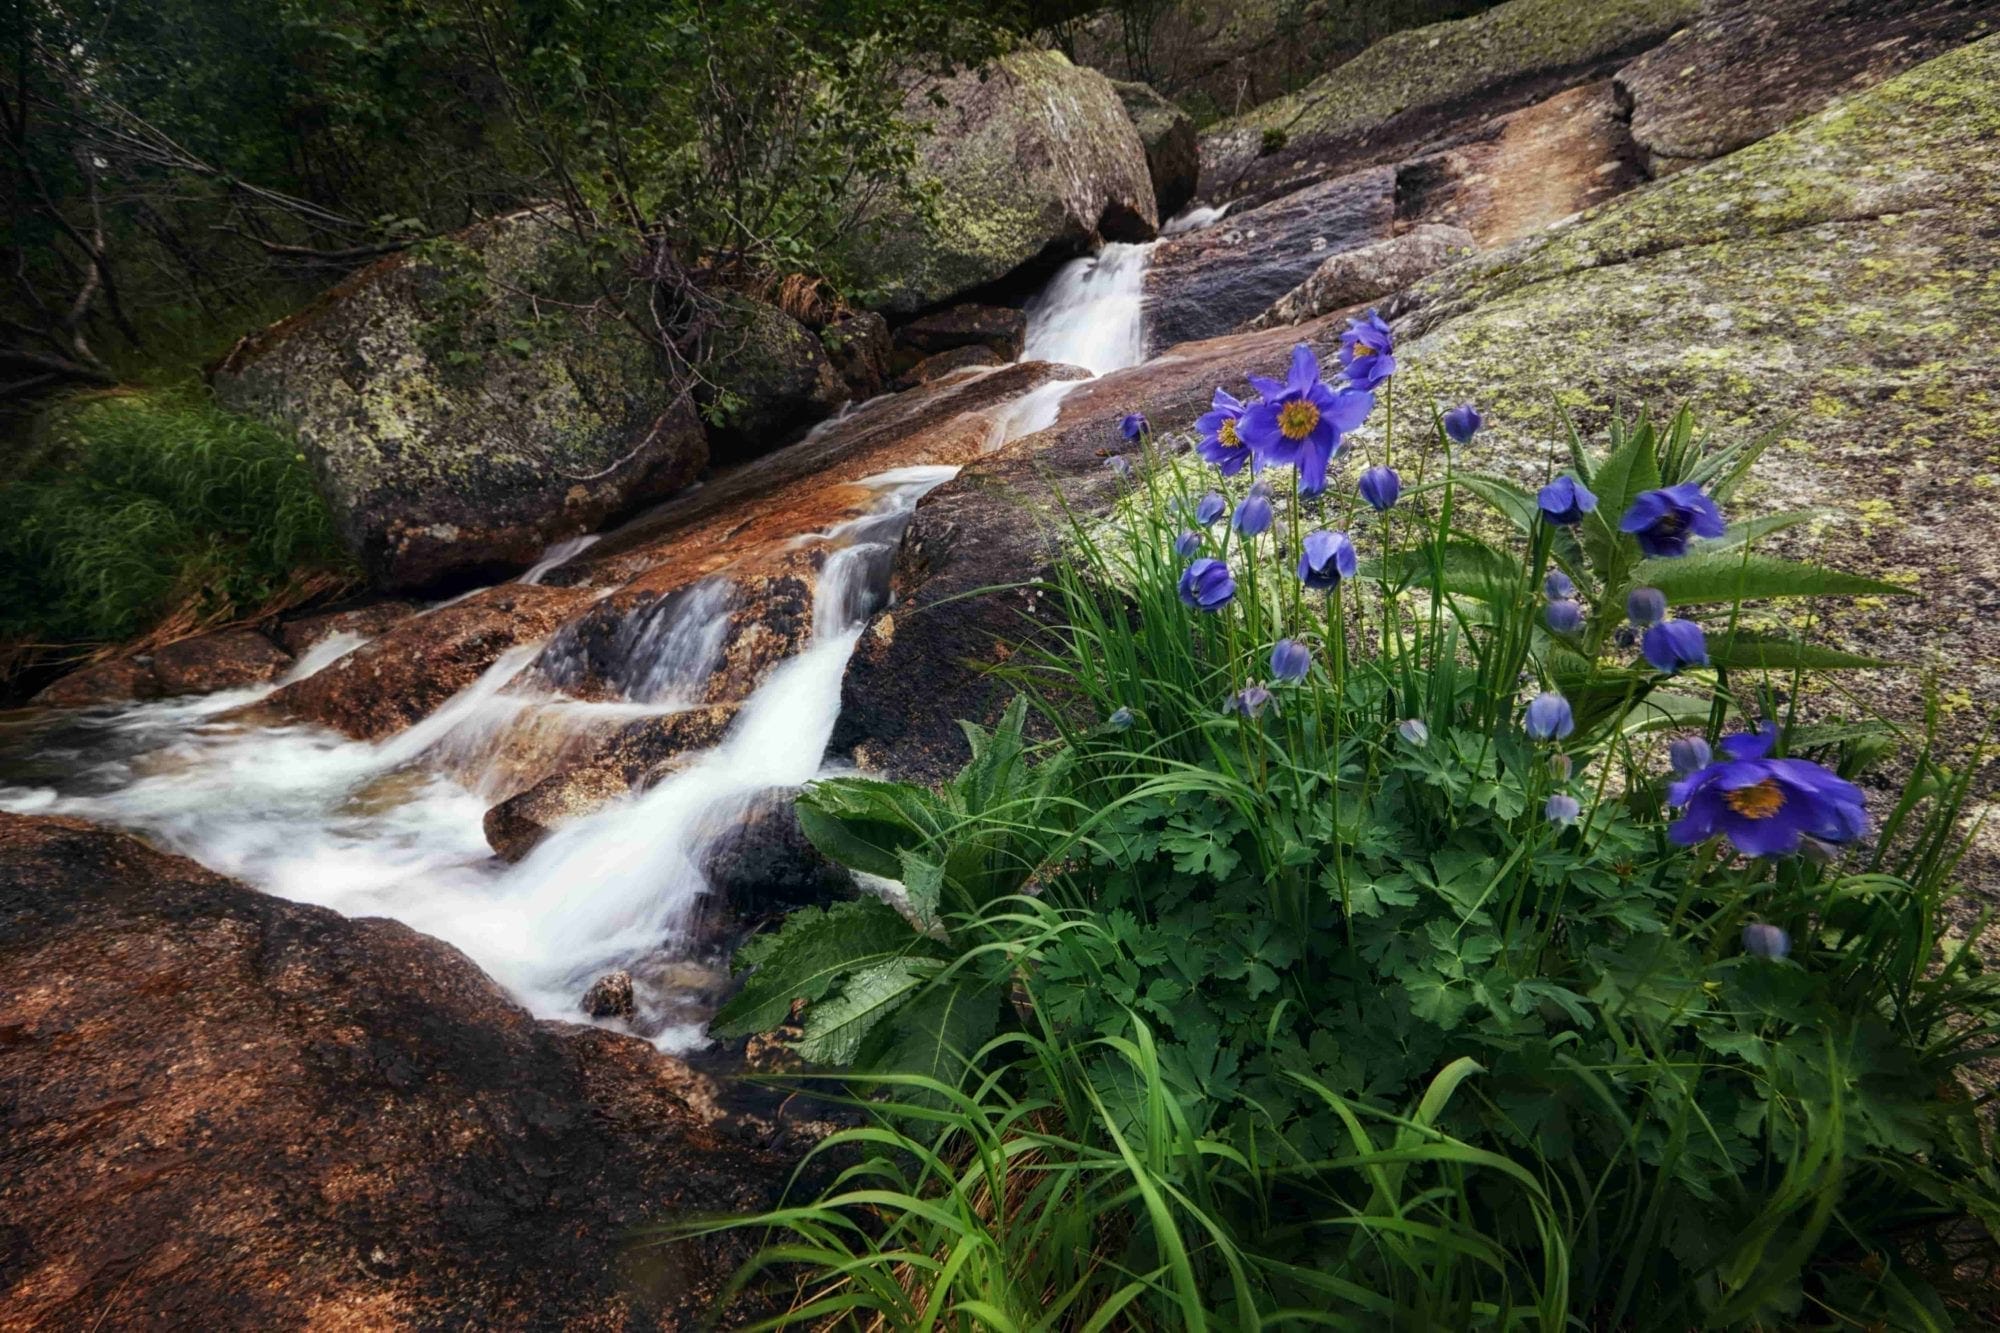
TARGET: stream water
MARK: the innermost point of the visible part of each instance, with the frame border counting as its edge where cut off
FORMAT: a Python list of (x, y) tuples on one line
[(394, 828)]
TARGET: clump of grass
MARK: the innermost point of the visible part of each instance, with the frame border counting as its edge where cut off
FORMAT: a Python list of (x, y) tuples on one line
[(136, 506)]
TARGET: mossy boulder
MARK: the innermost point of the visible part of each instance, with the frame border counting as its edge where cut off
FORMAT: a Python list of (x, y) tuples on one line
[(1415, 86), (1173, 151), (1030, 158), (766, 376), (466, 402)]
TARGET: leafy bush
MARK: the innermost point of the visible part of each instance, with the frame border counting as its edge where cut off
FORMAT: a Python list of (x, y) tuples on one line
[(1352, 955), (146, 504)]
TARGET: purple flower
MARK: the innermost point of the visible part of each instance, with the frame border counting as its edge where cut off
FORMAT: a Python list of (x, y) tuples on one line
[(1120, 720), (1207, 584), (1253, 517), (1250, 701), (1557, 585), (1380, 486), (1187, 544), (1688, 753), (1133, 426), (1290, 660), (1462, 423), (1209, 509), (1328, 558), (1367, 351), (1549, 717), (1565, 501), (1766, 941), (1662, 521), (1562, 809), (1565, 615), (1765, 806), (1673, 644), (1220, 443), (1120, 466), (1413, 730), (1301, 421), (1646, 606)]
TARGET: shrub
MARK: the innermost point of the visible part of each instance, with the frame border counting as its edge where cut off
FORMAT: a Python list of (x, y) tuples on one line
[(140, 505), (1403, 927)]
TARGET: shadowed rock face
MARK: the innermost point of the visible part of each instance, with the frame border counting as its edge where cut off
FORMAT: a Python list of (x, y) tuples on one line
[(1173, 153), (998, 328), (116, 681), (1367, 274), (219, 1109), (1746, 70), (777, 372)]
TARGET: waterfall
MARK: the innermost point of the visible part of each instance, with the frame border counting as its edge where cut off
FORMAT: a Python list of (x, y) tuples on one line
[(1090, 313)]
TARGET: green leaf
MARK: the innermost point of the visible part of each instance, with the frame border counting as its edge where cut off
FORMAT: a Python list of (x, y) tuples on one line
[(1772, 653), (936, 1032), (864, 824), (1631, 469), (1514, 501), (806, 955), (923, 881), (1726, 576), (835, 1027), (1468, 568)]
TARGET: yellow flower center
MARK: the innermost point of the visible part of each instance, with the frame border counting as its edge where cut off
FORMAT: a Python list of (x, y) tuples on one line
[(1296, 419), (1228, 435), (1760, 801)]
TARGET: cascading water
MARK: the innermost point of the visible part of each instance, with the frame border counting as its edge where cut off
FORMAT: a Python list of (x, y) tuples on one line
[(1089, 314)]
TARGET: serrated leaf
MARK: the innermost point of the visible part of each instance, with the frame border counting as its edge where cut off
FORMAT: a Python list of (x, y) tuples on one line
[(864, 824), (806, 955), (1726, 576), (923, 881), (1467, 568), (1748, 651), (836, 1026), (1631, 469), (936, 1032), (1515, 502)]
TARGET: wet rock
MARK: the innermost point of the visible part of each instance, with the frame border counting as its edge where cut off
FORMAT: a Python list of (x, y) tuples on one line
[(457, 428), (1419, 87), (947, 363), (859, 347), (307, 632), (220, 1109), (1745, 70), (400, 678), (610, 996), (776, 373), (998, 328), (633, 757), (118, 681), (1173, 152), (765, 864), (228, 660), (1369, 273), (1033, 158), (1204, 283)]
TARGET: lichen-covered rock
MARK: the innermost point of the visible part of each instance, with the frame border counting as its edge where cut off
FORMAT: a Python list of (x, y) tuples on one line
[(1748, 68), (1409, 87), (772, 375), (456, 424), (859, 347), (222, 1110), (1032, 157), (226, 660), (1173, 151), (1369, 273), (998, 328), (118, 681)]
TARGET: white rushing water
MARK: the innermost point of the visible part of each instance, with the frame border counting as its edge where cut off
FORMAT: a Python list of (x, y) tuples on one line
[(1090, 313)]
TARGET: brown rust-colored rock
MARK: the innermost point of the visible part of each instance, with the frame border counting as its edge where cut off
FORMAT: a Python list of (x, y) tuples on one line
[(998, 328), (859, 347), (400, 678), (118, 681), (227, 660), (221, 1110), (1368, 273), (302, 635), (610, 996), (947, 363)]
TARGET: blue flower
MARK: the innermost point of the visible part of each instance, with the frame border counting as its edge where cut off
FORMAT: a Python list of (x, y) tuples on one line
[(1646, 606), (1290, 660), (1253, 517), (1549, 717), (1565, 501), (1328, 558), (1662, 521), (1766, 941), (1250, 701), (1300, 421), (1688, 753), (1209, 509), (1557, 585), (1133, 426), (1207, 584), (1380, 486), (1367, 351), (1120, 720), (1562, 809), (1765, 806), (1220, 443), (1565, 615), (1413, 730), (1462, 423), (1187, 544), (1673, 644)]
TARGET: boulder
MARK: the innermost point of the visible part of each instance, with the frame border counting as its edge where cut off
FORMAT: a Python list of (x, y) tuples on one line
[(302, 635), (767, 376), (1369, 273), (1417, 87), (120, 680), (455, 420), (859, 347), (611, 996), (1173, 152), (1747, 69), (1202, 283), (947, 363), (226, 660), (998, 328), (219, 1109), (764, 864), (403, 676), (1031, 158)]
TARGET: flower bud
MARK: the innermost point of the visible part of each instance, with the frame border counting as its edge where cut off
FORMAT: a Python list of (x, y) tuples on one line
[(1565, 615), (1413, 730), (1646, 606), (1561, 766), (1562, 808), (1766, 941)]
